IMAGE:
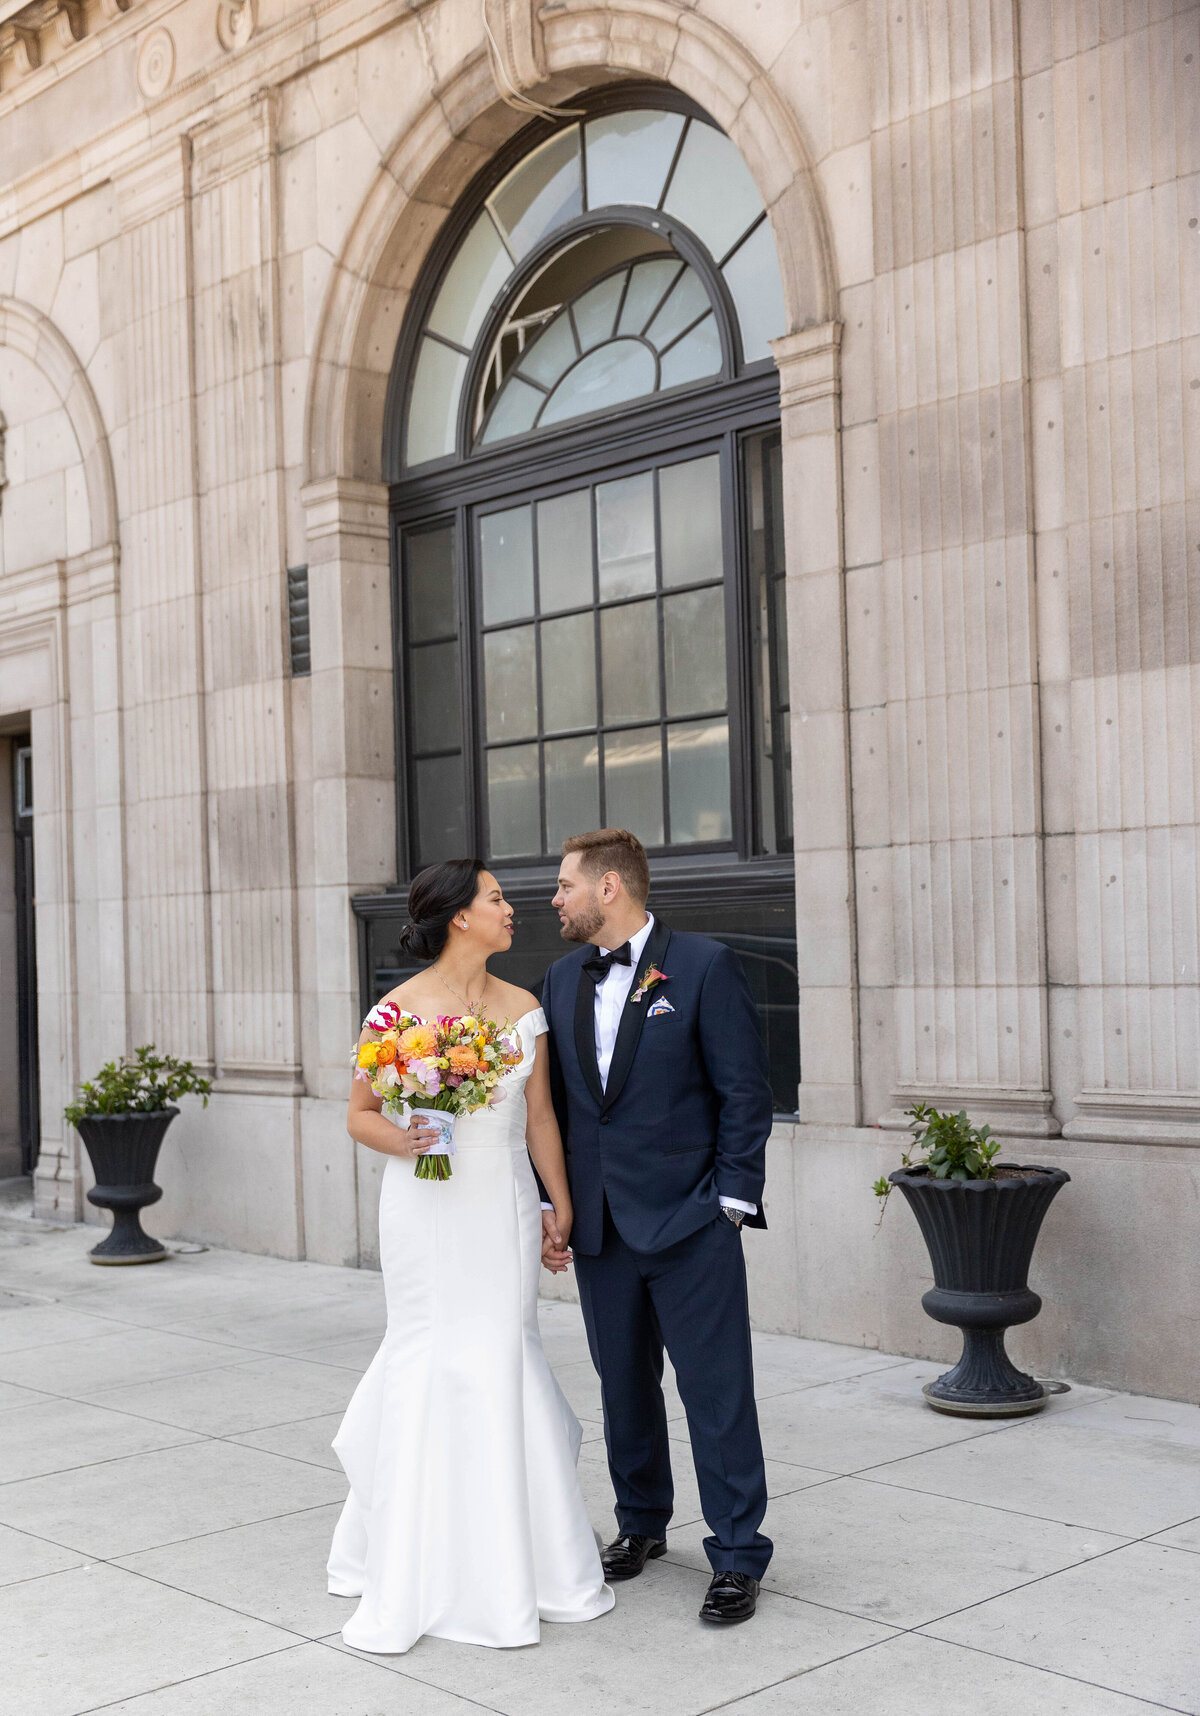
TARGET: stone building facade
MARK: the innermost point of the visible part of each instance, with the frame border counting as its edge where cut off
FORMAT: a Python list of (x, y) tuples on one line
[(216, 219)]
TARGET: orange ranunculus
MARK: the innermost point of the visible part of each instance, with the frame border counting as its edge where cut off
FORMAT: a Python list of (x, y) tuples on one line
[(385, 1054), (462, 1058), (419, 1042)]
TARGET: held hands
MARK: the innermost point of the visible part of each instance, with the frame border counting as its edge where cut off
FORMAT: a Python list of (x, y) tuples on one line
[(556, 1231)]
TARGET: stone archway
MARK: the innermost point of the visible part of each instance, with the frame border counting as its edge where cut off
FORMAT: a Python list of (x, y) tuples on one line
[(59, 671), (553, 56)]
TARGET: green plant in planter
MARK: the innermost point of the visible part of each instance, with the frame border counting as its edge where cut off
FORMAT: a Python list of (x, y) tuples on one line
[(141, 1083), (951, 1148)]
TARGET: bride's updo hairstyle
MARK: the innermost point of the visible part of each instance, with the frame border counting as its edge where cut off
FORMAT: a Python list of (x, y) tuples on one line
[(435, 896)]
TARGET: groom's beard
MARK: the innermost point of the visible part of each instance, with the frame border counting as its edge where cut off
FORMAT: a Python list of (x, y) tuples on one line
[(584, 923)]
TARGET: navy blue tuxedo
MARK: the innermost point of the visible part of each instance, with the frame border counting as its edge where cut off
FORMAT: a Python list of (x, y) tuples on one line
[(681, 1121), (684, 1117)]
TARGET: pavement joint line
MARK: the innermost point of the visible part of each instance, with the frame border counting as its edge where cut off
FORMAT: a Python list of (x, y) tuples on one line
[(1016, 1512), (187, 1679), (169, 1543), (842, 1656), (343, 1649), (1058, 1673)]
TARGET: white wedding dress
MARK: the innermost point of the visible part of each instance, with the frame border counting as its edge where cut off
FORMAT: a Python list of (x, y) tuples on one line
[(464, 1518)]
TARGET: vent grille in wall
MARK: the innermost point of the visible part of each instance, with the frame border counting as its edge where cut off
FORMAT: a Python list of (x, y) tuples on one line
[(297, 590)]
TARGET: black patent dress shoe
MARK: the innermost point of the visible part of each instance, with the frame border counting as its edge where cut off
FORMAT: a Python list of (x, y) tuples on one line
[(731, 1597), (628, 1554)]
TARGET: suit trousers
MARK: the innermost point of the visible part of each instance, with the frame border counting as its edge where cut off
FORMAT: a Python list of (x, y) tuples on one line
[(690, 1299)]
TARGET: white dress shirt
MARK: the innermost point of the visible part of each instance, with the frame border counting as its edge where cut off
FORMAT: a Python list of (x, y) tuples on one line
[(612, 992)]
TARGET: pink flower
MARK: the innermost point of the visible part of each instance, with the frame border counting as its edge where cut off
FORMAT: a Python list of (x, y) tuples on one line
[(496, 1096), (453, 1080)]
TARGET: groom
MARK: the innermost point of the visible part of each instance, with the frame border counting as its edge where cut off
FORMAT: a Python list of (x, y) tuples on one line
[(660, 1083)]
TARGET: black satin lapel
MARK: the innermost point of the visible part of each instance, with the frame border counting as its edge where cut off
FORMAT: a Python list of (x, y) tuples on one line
[(585, 1031), (629, 1031)]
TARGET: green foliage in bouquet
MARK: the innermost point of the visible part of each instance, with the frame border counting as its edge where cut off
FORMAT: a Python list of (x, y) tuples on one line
[(948, 1145), (141, 1083)]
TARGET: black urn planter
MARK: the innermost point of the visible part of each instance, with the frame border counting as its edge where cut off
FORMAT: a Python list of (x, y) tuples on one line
[(980, 1235), (124, 1149)]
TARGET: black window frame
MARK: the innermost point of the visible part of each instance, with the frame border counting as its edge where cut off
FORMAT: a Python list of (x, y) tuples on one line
[(718, 414)]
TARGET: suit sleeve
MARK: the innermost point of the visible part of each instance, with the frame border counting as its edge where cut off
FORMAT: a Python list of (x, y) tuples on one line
[(545, 1000), (735, 1058)]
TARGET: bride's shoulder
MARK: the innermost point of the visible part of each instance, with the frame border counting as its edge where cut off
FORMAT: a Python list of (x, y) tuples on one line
[(516, 1002)]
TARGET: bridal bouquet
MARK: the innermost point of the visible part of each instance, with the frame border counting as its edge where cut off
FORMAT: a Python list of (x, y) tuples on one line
[(437, 1068)]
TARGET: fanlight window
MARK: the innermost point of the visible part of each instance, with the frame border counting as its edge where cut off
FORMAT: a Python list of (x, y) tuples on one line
[(609, 314)]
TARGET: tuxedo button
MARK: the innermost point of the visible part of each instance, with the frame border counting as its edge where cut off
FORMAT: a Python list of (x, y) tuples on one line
[(604, 1120)]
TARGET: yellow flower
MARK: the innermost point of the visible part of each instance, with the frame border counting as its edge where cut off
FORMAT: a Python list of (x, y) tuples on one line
[(418, 1042), (468, 1023), (368, 1054)]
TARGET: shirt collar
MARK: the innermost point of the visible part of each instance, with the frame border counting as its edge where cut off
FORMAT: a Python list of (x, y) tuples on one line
[(637, 942)]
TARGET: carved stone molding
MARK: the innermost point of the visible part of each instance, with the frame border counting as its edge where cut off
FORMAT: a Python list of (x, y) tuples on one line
[(156, 63), (1011, 1112), (237, 21), (1136, 1117)]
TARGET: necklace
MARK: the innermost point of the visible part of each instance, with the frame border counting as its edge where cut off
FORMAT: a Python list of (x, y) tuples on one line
[(471, 1007)]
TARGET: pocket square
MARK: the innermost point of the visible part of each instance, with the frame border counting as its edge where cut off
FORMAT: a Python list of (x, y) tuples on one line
[(662, 1005)]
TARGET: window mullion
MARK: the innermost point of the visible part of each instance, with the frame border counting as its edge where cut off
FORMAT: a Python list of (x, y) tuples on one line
[(738, 643)]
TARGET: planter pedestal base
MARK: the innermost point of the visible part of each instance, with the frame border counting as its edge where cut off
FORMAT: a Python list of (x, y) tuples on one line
[(983, 1408)]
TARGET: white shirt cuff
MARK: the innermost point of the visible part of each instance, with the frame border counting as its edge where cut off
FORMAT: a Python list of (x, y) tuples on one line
[(737, 1204), (549, 1207)]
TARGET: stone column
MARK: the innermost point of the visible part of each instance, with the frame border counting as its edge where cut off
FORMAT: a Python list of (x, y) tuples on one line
[(958, 560), (1112, 129), (351, 848), (234, 221), (148, 307), (812, 490)]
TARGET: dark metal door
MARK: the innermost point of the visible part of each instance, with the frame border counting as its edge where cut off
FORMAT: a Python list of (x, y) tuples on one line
[(27, 1037)]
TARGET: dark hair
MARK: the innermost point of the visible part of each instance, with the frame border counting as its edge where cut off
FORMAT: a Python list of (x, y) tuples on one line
[(613, 849), (433, 899)]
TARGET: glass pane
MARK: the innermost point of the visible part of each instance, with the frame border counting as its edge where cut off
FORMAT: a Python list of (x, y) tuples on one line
[(440, 805), (629, 662), (752, 275), (542, 192), (551, 353), (698, 770), (689, 504), (433, 407), (686, 301), (572, 789), (477, 273), (596, 311), (628, 156), (694, 651), (514, 818), (712, 190), (517, 404), (633, 783), (647, 284), (434, 708), (621, 370), (429, 583), (565, 551), (696, 355), (568, 673), (510, 684), (625, 536), (506, 564)]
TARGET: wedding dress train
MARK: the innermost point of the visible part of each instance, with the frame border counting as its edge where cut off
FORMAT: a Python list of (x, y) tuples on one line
[(464, 1518)]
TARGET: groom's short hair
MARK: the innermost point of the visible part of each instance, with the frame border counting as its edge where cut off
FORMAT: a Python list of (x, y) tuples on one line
[(616, 849)]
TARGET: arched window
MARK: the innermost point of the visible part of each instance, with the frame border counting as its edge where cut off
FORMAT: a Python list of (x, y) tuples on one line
[(582, 448)]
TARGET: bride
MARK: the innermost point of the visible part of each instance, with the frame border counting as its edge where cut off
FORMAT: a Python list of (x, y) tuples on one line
[(464, 1518)]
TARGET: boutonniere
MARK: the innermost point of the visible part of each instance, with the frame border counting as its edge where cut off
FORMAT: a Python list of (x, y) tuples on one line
[(652, 978)]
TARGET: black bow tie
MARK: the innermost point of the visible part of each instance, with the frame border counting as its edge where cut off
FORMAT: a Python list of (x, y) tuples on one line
[(598, 965)]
